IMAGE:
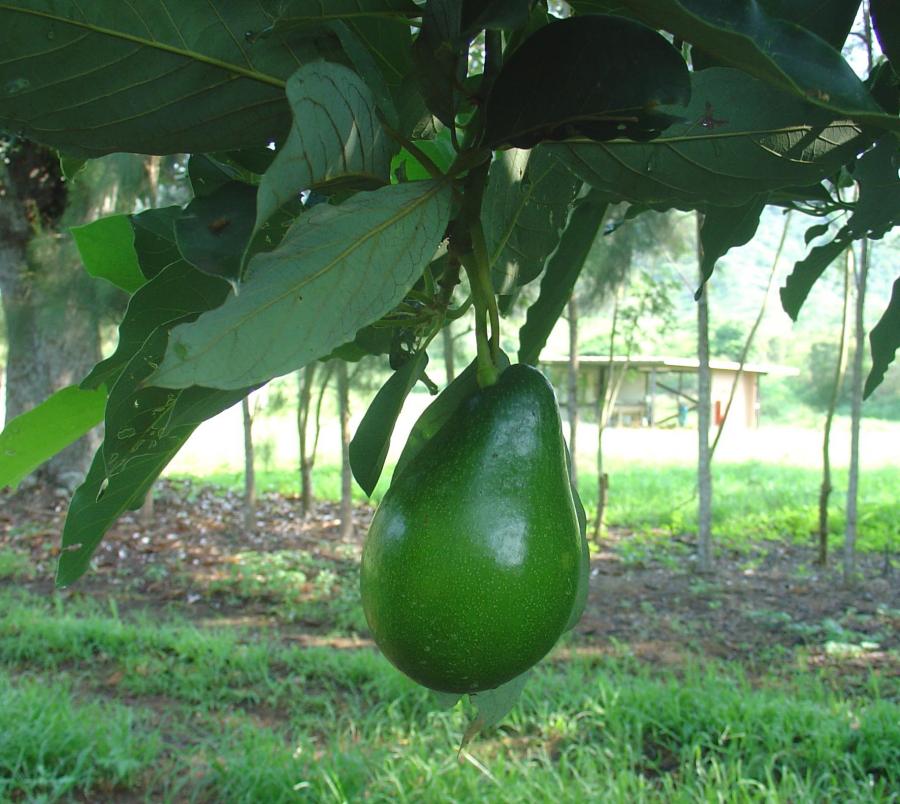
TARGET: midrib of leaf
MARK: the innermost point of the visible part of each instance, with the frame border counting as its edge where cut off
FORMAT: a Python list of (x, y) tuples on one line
[(150, 43), (329, 266), (724, 135)]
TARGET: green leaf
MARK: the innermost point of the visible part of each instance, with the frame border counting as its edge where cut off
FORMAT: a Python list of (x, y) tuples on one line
[(884, 340), (307, 15), (370, 444), (208, 174), (37, 435), (741, 138), (578, 78), (144, 429), (806, 272), (831, 20), (213, 230), (336, 139), (780, 53), (886, 21), (338, 269), (154, 239), (177, 294), (493, 15), (875, 213), (106, 247), (725, 228), (146, 77), (815, 231), (524, 210), (71, 166), (562, 272), (439, 412), (494, 705), (439, 55)]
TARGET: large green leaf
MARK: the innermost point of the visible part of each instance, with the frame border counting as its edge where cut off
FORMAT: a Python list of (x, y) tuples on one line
[(335, 140), (562, 272), (725, 228), (579, 77), (177, 294), (524, 210), (107, 251), (338, 269), (145, 427), (781, 53), (829, 19), (741, 138), (147, 77), (307, 15), (875, 213), (884, 340), (372, 440), (37, 435)]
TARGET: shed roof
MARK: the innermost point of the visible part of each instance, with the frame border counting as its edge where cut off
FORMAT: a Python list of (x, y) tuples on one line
[(687, 364)]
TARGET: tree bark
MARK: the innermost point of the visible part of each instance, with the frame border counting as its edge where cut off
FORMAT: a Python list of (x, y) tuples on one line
[(856, 389), (305, 380), (573, 388), (449, 356), (52, 307), (346, 474), (825, 489), (704, 474), (249, 468)]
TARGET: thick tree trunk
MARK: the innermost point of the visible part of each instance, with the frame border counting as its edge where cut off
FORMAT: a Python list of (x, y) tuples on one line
[(305, 380), (346, 474), (249, 468), (856, 389), (825, 489), (573, 388), (449, 356), (704, 473), (52, 307)]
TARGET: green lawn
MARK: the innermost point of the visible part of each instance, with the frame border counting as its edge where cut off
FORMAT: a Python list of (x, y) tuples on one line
[(102, 706)]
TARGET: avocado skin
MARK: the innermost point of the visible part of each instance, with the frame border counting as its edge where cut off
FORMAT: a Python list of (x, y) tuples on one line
[(472, 562)]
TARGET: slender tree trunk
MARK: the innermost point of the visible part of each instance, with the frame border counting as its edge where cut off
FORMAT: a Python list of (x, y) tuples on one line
[(704, 474), (573, 388), (449, 356), (856, 388), (346, 474), (825, 489), (305, 380), (249, 468), (605, 401), (745, 351)]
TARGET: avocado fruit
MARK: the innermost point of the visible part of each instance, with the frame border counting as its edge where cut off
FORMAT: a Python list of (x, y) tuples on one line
[(475, 561)]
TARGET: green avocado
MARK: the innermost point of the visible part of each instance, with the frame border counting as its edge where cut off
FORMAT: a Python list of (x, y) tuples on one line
[(474, 564)]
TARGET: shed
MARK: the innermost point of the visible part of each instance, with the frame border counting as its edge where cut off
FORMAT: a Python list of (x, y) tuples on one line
[(661, 391)]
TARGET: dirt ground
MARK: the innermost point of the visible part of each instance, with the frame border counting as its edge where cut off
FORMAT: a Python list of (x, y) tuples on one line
[(763, 607)]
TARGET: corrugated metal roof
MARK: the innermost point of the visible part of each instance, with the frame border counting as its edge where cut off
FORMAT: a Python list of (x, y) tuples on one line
[(649, 362)]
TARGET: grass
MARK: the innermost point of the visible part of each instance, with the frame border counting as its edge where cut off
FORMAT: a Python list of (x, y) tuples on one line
[(99, 703), (752, 500)]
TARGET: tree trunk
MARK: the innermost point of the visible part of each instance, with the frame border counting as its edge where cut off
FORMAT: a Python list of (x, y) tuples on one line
[(449, 356), (825, 489), (605, 400), (249, 468), (573, 388), (52, 307), (704, 474), (305, 380), (346, 474), (856, 390)]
